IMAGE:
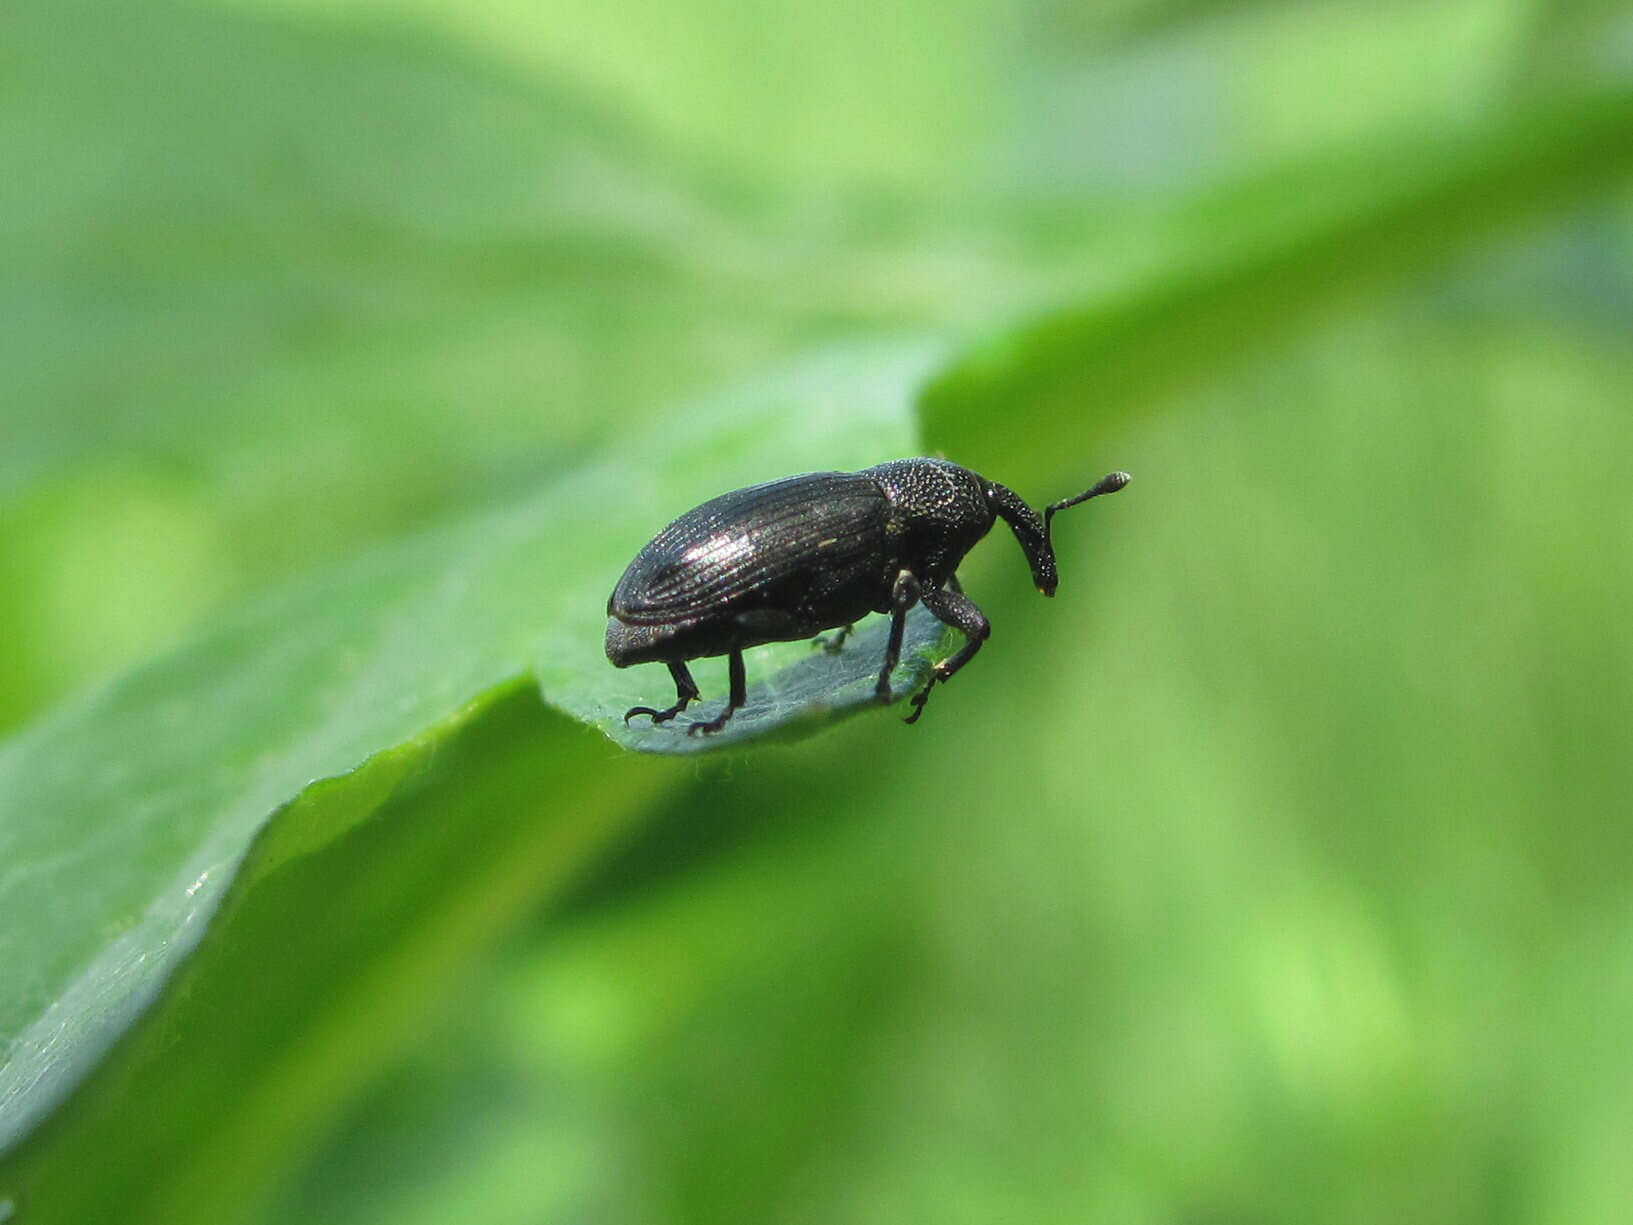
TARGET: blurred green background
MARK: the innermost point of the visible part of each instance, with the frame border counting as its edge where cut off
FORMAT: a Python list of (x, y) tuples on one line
[(1280, 869)]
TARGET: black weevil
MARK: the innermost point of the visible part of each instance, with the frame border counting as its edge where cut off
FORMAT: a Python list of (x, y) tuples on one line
[(791, 558)]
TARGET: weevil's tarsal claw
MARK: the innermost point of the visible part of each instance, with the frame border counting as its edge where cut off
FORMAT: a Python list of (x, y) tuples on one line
[(709, 727), (739, 697), (658, 716), (919, 699), (835, 642), (685, 691), (923, 695)]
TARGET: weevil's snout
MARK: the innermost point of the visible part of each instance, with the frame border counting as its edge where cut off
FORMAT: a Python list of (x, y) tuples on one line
[(1044, 575)]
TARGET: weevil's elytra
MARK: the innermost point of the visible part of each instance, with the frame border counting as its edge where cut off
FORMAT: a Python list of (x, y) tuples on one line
[(792, 558)]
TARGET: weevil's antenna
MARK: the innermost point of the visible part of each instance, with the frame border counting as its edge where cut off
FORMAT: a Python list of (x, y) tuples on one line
[(1110, 483)]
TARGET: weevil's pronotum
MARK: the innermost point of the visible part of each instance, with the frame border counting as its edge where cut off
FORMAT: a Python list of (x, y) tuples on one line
[(792, 558)]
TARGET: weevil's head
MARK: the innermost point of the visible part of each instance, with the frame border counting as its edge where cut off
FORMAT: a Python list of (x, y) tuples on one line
[(938, 511)]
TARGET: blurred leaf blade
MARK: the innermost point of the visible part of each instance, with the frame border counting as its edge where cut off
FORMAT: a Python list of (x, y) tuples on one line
[(1277, 248), (154, 786), (352, 916)]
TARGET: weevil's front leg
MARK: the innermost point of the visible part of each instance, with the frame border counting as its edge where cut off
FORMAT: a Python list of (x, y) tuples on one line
[(903, 595), (685, 691), (959, 611), (739, 697)]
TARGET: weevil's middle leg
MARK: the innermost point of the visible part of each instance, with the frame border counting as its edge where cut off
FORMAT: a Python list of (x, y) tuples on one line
[(739, 697), (959, 611), (685, 691), (903, 596)]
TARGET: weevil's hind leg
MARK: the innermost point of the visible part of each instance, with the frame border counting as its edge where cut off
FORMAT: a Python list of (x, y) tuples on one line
[(903, 596), (833, 644), (739, 697), (685, 691), (959, 611)]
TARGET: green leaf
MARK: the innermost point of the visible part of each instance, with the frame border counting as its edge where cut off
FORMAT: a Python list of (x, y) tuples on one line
[(1249, 265), (126, 813), (361, 903)]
